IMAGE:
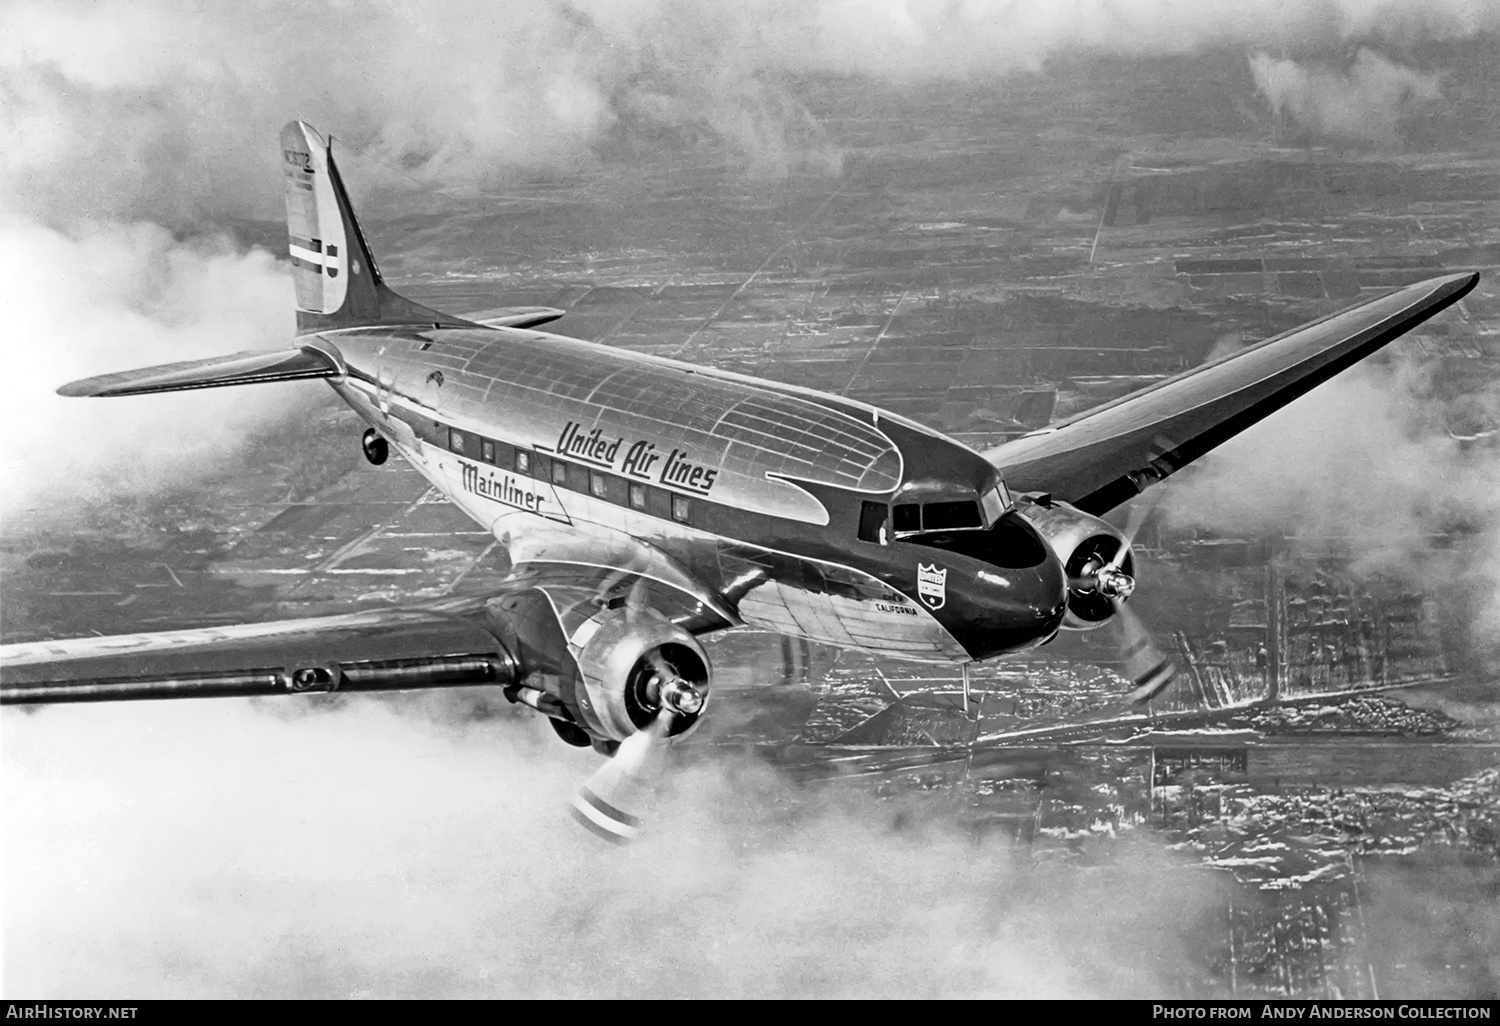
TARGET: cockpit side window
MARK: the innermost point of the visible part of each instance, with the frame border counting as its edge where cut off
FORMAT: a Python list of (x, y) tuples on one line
[(906, 517), (872, 522), (949, 516), (995, 502)]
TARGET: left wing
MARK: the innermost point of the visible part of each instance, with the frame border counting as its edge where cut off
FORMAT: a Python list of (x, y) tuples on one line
[(1099, 459), (508, 638)]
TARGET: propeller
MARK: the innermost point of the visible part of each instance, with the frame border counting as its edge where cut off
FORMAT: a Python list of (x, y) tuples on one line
[(1149, 669), (609, 802), (622, 783)]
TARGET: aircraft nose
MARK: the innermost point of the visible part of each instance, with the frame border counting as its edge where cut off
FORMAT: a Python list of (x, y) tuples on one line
[(1037, 599), (1021, 606)]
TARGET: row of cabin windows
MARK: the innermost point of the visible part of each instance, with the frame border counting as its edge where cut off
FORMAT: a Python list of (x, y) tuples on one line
[(573, 476), (906, 517)]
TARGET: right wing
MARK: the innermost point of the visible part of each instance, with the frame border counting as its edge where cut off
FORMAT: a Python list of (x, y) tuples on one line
[(1099, 459)]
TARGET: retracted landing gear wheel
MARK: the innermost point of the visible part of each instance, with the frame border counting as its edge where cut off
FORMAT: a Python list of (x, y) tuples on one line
[(375, 447), (572, 733)]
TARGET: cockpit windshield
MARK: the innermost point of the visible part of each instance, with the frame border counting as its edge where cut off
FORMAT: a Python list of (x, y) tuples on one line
[(951, 514)]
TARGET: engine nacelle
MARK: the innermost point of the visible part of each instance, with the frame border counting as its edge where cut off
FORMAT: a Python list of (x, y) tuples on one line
[(632, 663), (1085, 544)]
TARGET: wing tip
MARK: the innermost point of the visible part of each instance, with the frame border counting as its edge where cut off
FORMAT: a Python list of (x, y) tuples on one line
[(98, 385), (1460, 285)]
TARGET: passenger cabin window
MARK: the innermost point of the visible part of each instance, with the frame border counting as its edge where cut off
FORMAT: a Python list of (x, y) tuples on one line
[(456, 440), (872, 522), (487, 450), (523, 462), (949, 516), (559, 472), (637, 496), (906, 517), (680, 508), (598, 485)]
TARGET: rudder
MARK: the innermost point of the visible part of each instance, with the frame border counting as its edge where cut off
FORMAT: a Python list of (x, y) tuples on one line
[(337, 281)]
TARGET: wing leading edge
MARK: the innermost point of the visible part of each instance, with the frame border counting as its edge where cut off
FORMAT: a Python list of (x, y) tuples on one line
[(1104, 456)]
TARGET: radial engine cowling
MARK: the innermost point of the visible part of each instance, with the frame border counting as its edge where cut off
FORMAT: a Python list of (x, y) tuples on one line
[(1085, 544), (634, 664)]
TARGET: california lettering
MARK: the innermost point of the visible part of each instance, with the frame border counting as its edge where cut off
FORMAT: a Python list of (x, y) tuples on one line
[(502, 488)]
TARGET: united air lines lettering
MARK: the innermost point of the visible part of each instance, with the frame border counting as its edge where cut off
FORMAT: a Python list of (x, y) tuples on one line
[(641, 459), (682, 472), (592, 447), (502, 488)]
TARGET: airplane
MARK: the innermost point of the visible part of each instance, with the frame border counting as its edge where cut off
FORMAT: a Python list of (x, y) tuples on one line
[(646, 503)]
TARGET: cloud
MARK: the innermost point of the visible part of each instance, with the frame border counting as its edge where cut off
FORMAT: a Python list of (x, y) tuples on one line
[(1371, 100), (1365, 466), (166, 109), (109, 297), (201, 849)]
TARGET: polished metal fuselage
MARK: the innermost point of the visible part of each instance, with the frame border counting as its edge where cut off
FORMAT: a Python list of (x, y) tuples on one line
[(755, 462)]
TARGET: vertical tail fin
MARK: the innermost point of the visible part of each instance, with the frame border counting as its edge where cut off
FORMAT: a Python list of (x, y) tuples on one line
[(337, 281)]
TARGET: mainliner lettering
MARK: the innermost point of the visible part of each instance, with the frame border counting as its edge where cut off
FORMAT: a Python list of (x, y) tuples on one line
[(502, 488), (679, 471), (593, 446)]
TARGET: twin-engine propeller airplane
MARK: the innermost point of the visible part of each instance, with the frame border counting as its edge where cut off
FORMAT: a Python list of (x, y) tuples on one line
[(646, 503)]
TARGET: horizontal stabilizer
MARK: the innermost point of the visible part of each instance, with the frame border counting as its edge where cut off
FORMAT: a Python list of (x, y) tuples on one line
[(517, 316), (235, 369)]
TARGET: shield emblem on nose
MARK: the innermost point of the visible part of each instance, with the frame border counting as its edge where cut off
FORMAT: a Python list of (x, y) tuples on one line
[(932, 585)]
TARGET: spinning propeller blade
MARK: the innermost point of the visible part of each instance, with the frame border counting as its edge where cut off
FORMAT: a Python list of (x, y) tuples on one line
[(604, 803), (1148, 668)]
